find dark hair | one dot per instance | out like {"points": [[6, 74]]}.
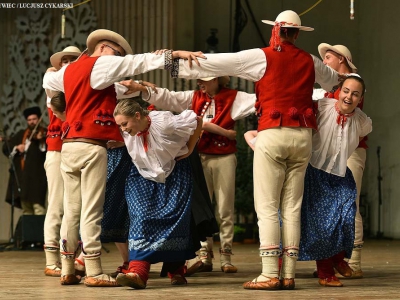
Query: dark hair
{"points": [[357, 78], [129, 107], [58, 102], [288, 32]]}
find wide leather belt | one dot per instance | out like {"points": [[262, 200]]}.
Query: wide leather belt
{"points": [[89, 141]]}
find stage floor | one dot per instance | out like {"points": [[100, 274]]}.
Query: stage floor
{"points": [[22, 277]]}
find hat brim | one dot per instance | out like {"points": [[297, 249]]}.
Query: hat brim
{"points": [[104, 34], [324, 47], [207, 78], [304, 28], [55, 59]]}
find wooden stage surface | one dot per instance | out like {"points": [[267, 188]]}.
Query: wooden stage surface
{"points": [[22, 277]]}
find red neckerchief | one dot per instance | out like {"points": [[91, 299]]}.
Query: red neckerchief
{"points": [[145, 133], [342, 118]]}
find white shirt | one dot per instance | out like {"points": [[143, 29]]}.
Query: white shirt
{"points": [[333, 144], [318, 94], [243, 105], [107, 70], [167, 138], [248, 64]]}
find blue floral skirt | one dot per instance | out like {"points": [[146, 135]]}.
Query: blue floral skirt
{"points": [[327, 214], [160, 216], [115, 222]]}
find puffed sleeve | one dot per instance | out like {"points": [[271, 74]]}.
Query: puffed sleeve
{"points": [[365, 123], [185, 123], [366, 127]]}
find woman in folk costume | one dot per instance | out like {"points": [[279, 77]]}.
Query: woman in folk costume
{"points": [[219, 107], [329, 208], [158, 190]]}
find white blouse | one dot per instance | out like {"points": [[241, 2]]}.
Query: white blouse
{"points": [[333, 143], [166, 140], [242, 106]]}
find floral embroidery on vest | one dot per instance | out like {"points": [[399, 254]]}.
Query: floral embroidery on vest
{"points": [[103, 117], [54, 131]]}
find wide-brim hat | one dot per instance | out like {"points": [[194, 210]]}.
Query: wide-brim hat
{"points": [[104, 34], [288, 19], [35, 110], [222, 80], [55, 59], [339, 49], [207, 78]]}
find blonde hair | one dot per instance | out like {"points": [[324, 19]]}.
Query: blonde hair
{"points": [[128, 108]]}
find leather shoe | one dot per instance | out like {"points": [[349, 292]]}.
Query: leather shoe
{"points": [[228, 268], [101, 280], [54, 271], [178, 279], [330, 282], [199, 267], [132, 280], [271, 284], [287, 284], [343, 269], [355, 274], [70, 279]]}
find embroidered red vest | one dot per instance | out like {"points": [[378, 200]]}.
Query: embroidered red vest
{"points": [[53, 138], [89, 112], [211, 143], [284, 93], [335, 94]]}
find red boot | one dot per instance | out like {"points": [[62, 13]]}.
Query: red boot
{"points": [[326, 273], [341, 265], [136, 276], [178, 277]]}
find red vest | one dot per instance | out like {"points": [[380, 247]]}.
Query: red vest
{"points": [[211, 143], [53, 139], [89, 112], [284, 93], [335, 94]]}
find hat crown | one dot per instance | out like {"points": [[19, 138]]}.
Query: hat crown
{"points": [[344, 51], [288, 16], [72, 49], [105, 34]]}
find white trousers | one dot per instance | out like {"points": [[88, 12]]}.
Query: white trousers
{"points": [[55, 207], [356, 164], [281, 157], [84, 170], [220, 174]]}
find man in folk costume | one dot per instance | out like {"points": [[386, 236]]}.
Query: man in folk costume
{"points": [[91, 97], [339, 58], [28, 150], [55, 207], [88, 126], [284, 76]]}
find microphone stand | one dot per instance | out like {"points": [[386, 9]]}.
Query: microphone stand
{"points": [[13, 181], [379, 234]]}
